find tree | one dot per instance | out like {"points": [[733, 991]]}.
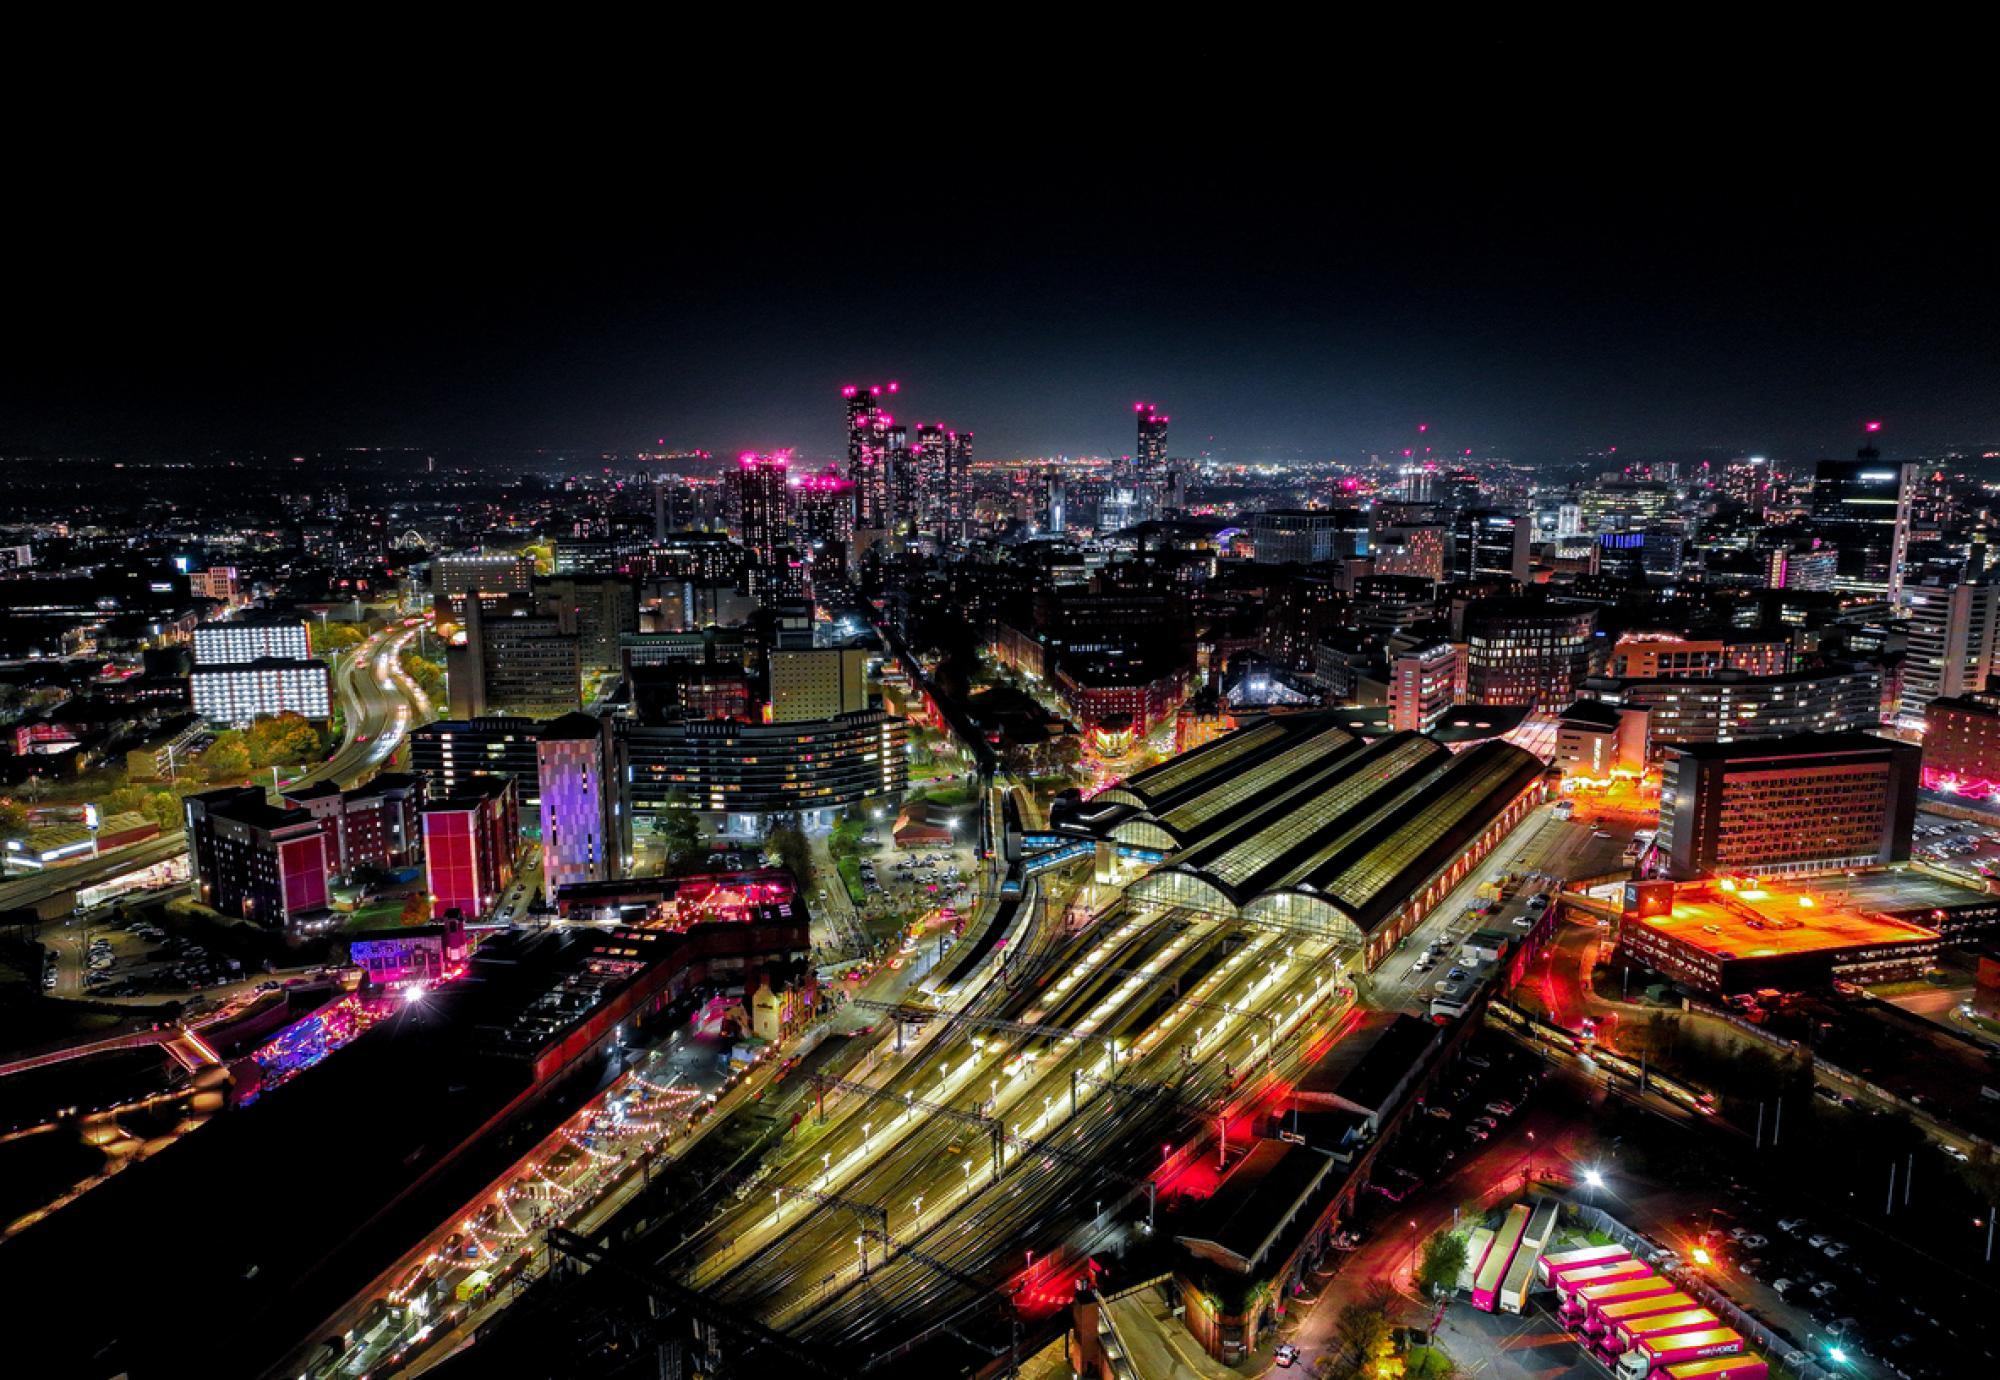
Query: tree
{"points": [[679, 830], [13, 817], [227, 759], [1444, 1258], [165, 808], [330, 639], [1365, 1324], [787, 846]]}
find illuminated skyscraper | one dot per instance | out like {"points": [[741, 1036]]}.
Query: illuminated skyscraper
{"points": [[928, 479], [1151, 454], [957, 483], [822, 522], [762, 501], [868, 458]]}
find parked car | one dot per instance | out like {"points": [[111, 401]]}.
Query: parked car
{"points": [[1286, 1355]]}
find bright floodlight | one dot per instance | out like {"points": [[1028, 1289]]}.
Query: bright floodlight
{"points": [[1593, 1178]]}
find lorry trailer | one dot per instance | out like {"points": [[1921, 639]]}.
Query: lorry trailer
{"points": [[1573, 1280], [1520, 1276], [1664, 1324], [1718, 1368], [1588, 1305], [1634, 1311], [1556, 1264], [1499, 1257], [1654, 1356], [1477, 1249]]}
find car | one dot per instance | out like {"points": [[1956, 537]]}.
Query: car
{"points": [[1824, 1289], [1286, 1355], [1818, 1239], [1753, 1241], [1782, 1287], [1442, 1113], [1791, 1226], [1500, 1108], [1489, 1122], [1600, 833], [1953, 1151], [1477, 1132], [1834, 1250]]}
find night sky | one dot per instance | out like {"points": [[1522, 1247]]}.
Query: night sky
{"points": [[1538, 326]]}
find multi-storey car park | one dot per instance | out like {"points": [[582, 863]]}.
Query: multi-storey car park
{"points": [[1048, 1094]]}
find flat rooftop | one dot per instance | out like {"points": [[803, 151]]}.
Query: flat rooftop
{"points": [[1770, 921], [1895, 890]]}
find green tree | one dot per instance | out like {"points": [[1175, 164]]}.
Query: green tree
{"points": [[13, 816], [1444, 1258], [227, 759], [330, 639], [165, 808], [787, 847], [680, 832]]}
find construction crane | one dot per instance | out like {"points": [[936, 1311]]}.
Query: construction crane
{"points": [[986, 1125]]}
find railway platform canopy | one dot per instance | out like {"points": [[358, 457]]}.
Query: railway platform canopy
{"points": [[1302, 824]]}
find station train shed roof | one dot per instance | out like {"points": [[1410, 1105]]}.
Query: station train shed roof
{"points": [[1299, 818]]}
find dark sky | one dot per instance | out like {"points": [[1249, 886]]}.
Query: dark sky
{"points": [[199, 315]]}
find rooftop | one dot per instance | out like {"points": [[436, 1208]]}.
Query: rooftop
{"points": [[1771, 921], [1256, 1202]]}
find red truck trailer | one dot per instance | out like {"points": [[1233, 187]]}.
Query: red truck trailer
{"points": [[1658, 1356]]}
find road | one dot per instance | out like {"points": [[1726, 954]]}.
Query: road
{"points": [[381, 705]]}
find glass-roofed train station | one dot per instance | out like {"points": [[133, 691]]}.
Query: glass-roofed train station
{"points": [[1296, 822]]}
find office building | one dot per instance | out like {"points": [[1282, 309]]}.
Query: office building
{"points": [[738, 775], [1524, 653], [238, 642], [1424, 682], [1651, 655], [470, 840], [455, 575], [599, 610], [1418, 551], [1954, 635], [585, 828], [254, 861], [449, 753], [218, 582], [1809, 803], [1488, 543], [1862, 508], [817, 683], [513, 661], [1962, 745], [1303, 536], [1598, 741], [1732, 706], [238, 693]]}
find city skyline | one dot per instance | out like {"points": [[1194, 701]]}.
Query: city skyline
{"points": [[1529, 331]]}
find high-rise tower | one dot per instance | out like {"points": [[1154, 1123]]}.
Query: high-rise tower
{"points": [[1151, 455]]}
